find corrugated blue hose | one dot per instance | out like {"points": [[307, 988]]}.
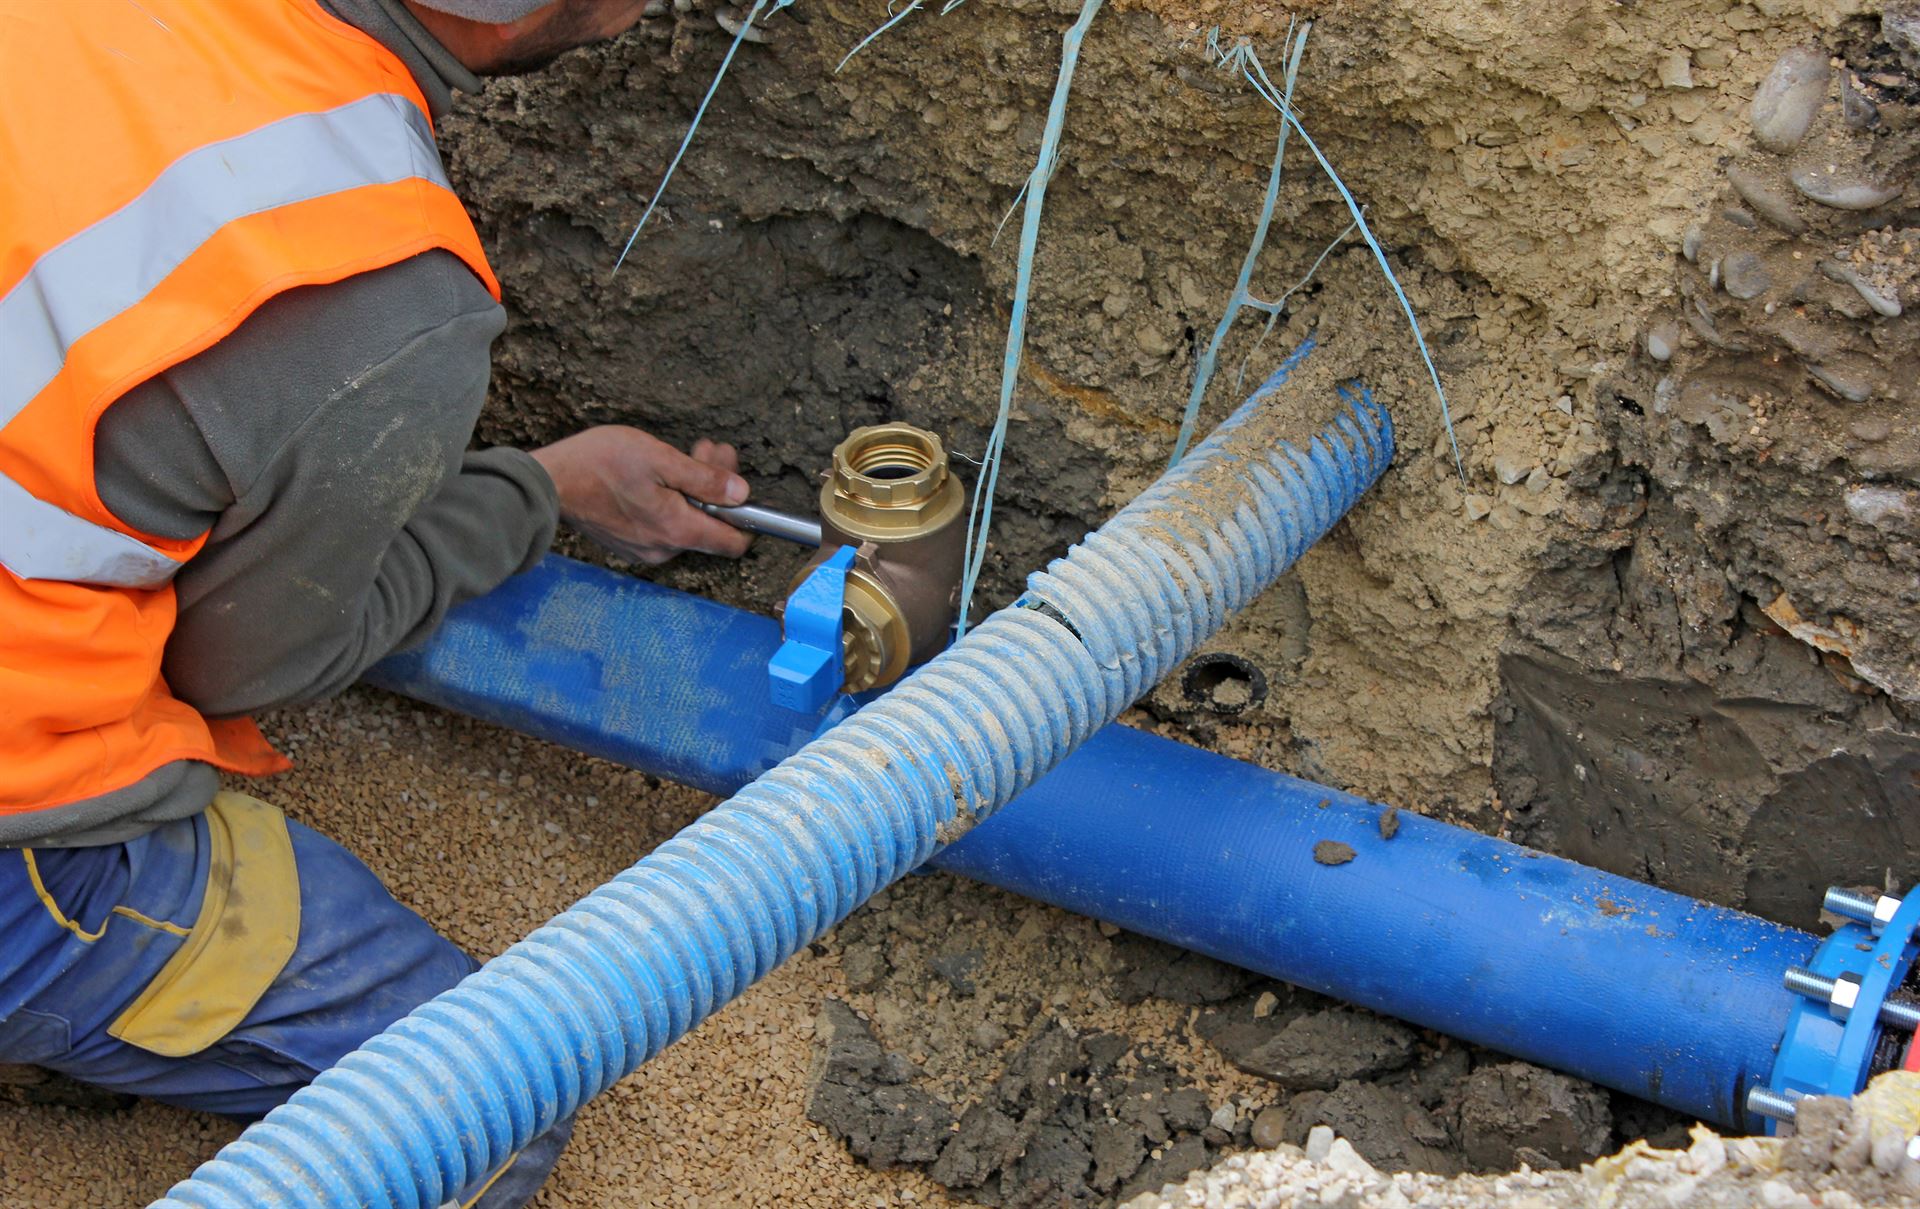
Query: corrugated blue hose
{"points": [[452, 1090]]}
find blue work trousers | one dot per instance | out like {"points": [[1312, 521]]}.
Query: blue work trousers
{"points": [[85, 931]]}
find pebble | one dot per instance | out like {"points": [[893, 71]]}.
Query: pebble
{"points": [[1152, 341], [1707, 1155], [1510, 468], [1270, 1127], [1650, 1170], [1834, 270], [1662, 339], [1478, 506], [1870, 429], [1690, 242], [988, 1036], [656, 9], [1263, 1006], [1223, 1118], [1842, 191], [1857, 108], [1539, 479], [1900, 29], [1319, 1143], [1889, 1152], [1850, 389], [1778, 1194], [1872, 504], [1745, 276], [734, 22], [1787, 100], [1768, 202], [1676, 70], [1343, 1158]]}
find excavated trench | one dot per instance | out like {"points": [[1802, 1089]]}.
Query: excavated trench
{"points": [[1665, 626]]}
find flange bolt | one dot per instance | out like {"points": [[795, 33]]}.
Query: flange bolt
{"points": [[1766, 1102], [1873, 910], [1842, 993]]}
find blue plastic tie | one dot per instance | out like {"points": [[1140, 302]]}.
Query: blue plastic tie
{"points": [[980, 514], [659, 191], [1203, 372]]}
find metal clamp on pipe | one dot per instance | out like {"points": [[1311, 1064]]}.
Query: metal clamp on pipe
{"points": [[892, 498]]}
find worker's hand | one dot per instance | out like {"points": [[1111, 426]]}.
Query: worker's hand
{"points": [[628, 491]]}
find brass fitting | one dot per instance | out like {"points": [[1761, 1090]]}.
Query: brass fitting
{"points": [[892, 496]]}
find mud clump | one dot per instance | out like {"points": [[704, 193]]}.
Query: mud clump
{"points": [[1514, 1113], [1318, 1049], [861, 1092], [1333, 852], [1061, 1124]]}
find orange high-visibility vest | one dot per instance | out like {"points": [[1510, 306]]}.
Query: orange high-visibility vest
{"points": [[166, 166]]}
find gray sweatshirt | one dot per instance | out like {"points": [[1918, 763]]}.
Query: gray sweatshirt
{"points": [[324, 444]]}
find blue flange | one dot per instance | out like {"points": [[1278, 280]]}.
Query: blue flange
{"points": [[1823, 1053]]}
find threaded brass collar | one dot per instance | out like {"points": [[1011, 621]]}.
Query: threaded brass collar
{"points": [[890, 483]]}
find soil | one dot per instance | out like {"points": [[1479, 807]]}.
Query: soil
{"points": [[1660, 619], [1598, 602]]}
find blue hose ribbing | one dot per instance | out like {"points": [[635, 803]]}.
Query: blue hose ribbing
{"points": [[455, 1088]]}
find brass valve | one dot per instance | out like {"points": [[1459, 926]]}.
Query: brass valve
{"points": [[891, 495]]}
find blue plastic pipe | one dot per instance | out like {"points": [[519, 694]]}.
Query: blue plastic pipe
{"points": [[1652, 993], [455, 1088], [1642, 990], [615, 667]]}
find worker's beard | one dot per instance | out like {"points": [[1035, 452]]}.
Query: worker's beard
{"points": [[575, 23]]}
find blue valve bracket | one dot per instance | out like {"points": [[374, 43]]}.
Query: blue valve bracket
{"points": [[808, 670]]}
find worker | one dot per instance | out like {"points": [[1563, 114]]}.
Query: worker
{"points": [[244, 340]]}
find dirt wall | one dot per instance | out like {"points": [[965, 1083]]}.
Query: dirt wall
{"points": [[1582, 644]]}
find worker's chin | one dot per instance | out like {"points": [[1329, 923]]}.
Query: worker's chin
{"points": [[573, 25], [525, 63]]}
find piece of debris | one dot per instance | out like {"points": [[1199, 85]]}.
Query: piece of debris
{"points": [[1333, 852]]}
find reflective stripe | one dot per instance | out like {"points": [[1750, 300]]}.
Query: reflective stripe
{"points": [[113, 264], [40, 541]]}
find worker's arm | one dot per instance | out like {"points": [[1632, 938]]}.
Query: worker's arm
{"points": [[324, 443]]}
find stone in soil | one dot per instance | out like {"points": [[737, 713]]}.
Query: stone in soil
{"points": [[1060, 1125], [956, 969], [1787, 100]]}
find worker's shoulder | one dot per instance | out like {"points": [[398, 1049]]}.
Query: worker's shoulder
{"points": [[429, 309], [399, 300]]}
